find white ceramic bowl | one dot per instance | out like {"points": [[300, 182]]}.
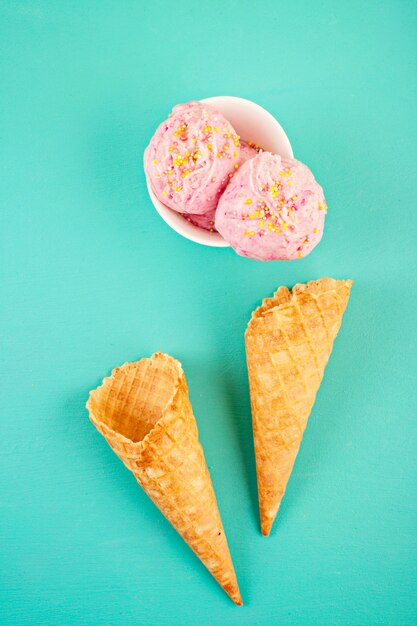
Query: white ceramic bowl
{"points": [[252, 123]]}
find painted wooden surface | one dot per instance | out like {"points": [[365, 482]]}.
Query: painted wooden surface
{"points": [[91, 277]]}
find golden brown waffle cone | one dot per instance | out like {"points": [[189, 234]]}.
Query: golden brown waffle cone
{"points": [[144, 412], [288, 342]]}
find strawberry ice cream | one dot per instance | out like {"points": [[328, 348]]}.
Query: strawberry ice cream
{"points": [[206, 221], [191, 158], [247, 151], [272, 209]]}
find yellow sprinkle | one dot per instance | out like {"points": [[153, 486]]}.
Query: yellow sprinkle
{"points": [[251, 233], [261, 223], [236, 166], [294, 198], [155, 162], [252, 216], [164, 193], [225, 147], [187, 154], [315, 231], [177, 189], [209, 146], [281, 201], [289, 183], [248, 201], [170, 149], [285, 227], [235, 154], [216, 130], [270, 226], [277, 230]]}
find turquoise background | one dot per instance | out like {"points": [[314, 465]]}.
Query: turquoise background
{"points": [[92, 277]]}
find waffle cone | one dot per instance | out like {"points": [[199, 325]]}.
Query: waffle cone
{"points": [[288, 343], [144, 412]]}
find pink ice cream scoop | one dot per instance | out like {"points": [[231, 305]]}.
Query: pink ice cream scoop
{"points": [[247, 151], [272, 209], [206, 221], [191, 158]]}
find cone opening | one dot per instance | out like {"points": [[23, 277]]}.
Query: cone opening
{"points": [[283, 296], [136, 395]]}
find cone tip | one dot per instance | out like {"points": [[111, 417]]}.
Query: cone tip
{"points": [[266, 525], [237, 598]]}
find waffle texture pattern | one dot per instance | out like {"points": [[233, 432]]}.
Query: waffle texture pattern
{"points": [[144, 412], [288, 343]]}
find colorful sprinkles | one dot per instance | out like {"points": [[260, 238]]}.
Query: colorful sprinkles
{"points": [[277, 213], [183, 160]]}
